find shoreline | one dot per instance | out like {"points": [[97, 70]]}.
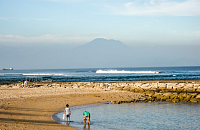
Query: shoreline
{"points": [[31, 108], [34, 112]]}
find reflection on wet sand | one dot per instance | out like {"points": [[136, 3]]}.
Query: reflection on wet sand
{"points": [[84, 127]]}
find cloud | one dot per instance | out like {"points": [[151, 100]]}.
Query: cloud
{"points": [[156, 8], [41, 19], [3, 18], [197, 33], [63, 1], [17, 39], [25, 19]]}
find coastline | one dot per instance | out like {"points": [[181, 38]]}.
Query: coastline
{"points": [[31, 108]]}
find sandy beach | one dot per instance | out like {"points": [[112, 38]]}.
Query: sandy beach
{"points": [[31, 108]]}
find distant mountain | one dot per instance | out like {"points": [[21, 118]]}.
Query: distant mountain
{"points": [[100, 52], [101, 43]]}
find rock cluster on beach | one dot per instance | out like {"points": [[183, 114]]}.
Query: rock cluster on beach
{"points": [[151, 91], [158, 92]]}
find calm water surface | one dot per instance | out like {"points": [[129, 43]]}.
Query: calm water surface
{"points": [[137, 116]]}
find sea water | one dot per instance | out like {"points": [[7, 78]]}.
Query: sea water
{"points": [[112, 74], [135, 116]]}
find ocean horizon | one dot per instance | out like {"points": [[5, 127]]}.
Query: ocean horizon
{"points": [[102, 74]]}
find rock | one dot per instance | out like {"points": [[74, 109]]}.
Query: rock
{"points": [[132, 90], [113, 102], [174, 96], [194, 95], [198, 96], [150, 93], [194, 100], [126, 88], [132, 100], [165, 90], [162, 85], [171, 85], [189, 85], [145, 86], [179, 90], [168, 94], [196, 86], [175, 100], [139, 90], [198, 89], [138, 84], [190, 90], [157, 94], [168, 100], [119, 88], [4, 86], [161, 98]]}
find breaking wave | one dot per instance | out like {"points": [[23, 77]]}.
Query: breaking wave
{"points": [[122, 71]]}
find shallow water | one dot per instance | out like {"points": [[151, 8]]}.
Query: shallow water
{"points": [[137, 116]]}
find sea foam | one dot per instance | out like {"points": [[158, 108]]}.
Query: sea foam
{"points": [[122, 71]]}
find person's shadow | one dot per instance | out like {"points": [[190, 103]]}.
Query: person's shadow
{"points": [[84, 127]]}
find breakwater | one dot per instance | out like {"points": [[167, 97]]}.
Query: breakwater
{"points": [[151, 91]]}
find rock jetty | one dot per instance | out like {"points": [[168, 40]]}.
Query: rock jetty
{"points": [[150, 91]]}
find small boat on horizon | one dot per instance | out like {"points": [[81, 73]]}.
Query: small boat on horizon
{"points": [[7, 69]]}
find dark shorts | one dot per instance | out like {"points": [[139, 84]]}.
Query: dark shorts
{"points": [[87, 116], [68, 115]]}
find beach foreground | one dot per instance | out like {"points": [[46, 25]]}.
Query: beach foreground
{"points": [[31, 108]]}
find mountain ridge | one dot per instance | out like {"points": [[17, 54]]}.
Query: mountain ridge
{"points": [[103, 43]]}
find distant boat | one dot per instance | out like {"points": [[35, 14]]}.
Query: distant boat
{"points": [[7, 69]]}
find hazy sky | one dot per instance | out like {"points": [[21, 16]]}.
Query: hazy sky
{"points": [[76, 22]]}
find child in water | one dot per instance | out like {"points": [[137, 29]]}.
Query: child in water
{"points": [[86, 114], [67, 112]]}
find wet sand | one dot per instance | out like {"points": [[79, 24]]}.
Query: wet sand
{"points": [[31, 108]]}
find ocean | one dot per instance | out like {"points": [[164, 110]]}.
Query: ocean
{"points": [[135, 116], [102, 74]]}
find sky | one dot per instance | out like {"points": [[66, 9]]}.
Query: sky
{"points": [[71, 23]]}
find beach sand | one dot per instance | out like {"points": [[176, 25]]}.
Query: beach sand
{"points": [[31, 108]]}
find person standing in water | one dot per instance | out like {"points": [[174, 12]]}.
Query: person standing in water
{"points": [[85, 115], [67, 112]]}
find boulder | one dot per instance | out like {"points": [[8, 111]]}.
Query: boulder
{"points": [[139, 90], [198, 96], [138, 84], [4, 86], [196, 86], [119, 88], [171, 85], [194, 100], [175, 100], [149, 93], [189, 85], [145, 86], [126, 88], [162, 85], [190, 90]]}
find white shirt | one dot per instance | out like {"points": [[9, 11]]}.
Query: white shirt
{"points": [[67, 111]]}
